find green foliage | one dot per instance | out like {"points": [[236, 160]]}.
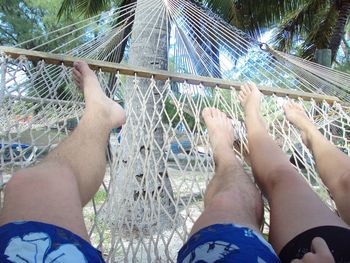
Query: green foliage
{"points": [[100, 197], [88, 8], [18, 107], [311, 25], [18, 22], [32, 20], [314, 25], [304, 25], [252, 16], [173, 118], [343, 67], [319, 36], [84, 7]]}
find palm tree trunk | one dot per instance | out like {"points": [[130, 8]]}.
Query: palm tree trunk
{"points": [[344, 12], [148, 198]]}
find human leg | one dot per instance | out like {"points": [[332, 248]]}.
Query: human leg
{"points": [[229, 228], [332, 165], [295, 208], [56, 190], [230, 181]]}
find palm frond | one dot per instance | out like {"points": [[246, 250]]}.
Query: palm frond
{"points": [[252, 16], [347, 28], [297, 23], [82, 7], [320, 35]]}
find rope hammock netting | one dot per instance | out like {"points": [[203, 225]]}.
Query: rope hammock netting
{"points": [[164, 60]]}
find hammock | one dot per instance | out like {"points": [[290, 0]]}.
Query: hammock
{"points": [[165, 61]]}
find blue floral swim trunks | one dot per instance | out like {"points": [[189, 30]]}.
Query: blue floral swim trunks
{"points": [[227, 243], [44, 243]]}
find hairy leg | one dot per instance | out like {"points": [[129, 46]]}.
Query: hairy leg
{"points": [[295, 208], [332, 165], [56, 190], [231, 196]]}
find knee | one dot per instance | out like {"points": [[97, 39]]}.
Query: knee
{"points": [[40, 175], [280, 176], [19, 180], [240, 202], [223, 201], [218, 193], [341, 184], [218, 200]]}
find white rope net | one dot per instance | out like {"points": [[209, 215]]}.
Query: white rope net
{"points": [[160, 162]]}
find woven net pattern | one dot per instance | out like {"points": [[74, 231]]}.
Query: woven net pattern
{"points": [[159, 163]]}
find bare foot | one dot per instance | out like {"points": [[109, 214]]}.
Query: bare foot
{"points": [[250, 97], [95, 99], [297, 116], [220, 133]]}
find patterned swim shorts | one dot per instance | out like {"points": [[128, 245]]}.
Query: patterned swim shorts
{"points": [[227, 243], [44, 243]]}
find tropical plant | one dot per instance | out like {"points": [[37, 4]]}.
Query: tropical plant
{"points": [[18, 21], [251, 16], [312, 24], [317, 24], [27, 23], [32, 20]]}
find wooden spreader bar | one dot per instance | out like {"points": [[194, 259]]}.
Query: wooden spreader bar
{"points": [[58, 59]]}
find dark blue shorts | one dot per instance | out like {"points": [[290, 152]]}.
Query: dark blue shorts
{"points": [[227, 243], [40, 242]]}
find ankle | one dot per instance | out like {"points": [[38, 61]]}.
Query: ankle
{"points": [[313, 136], [98, 118], [225, 158], [251, 111], [255, 123]]}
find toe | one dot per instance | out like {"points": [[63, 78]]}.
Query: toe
{"points": [[77, 65], [82, 67], [287, 105], [248, 88], [290, 104], [252, 86], [299, 106], [222, 115], [216, 113], [293, 104], [77, 77], [78, 83], [244, 90], [241, 88], [206, 114], [76, 80], [76, 73]]}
